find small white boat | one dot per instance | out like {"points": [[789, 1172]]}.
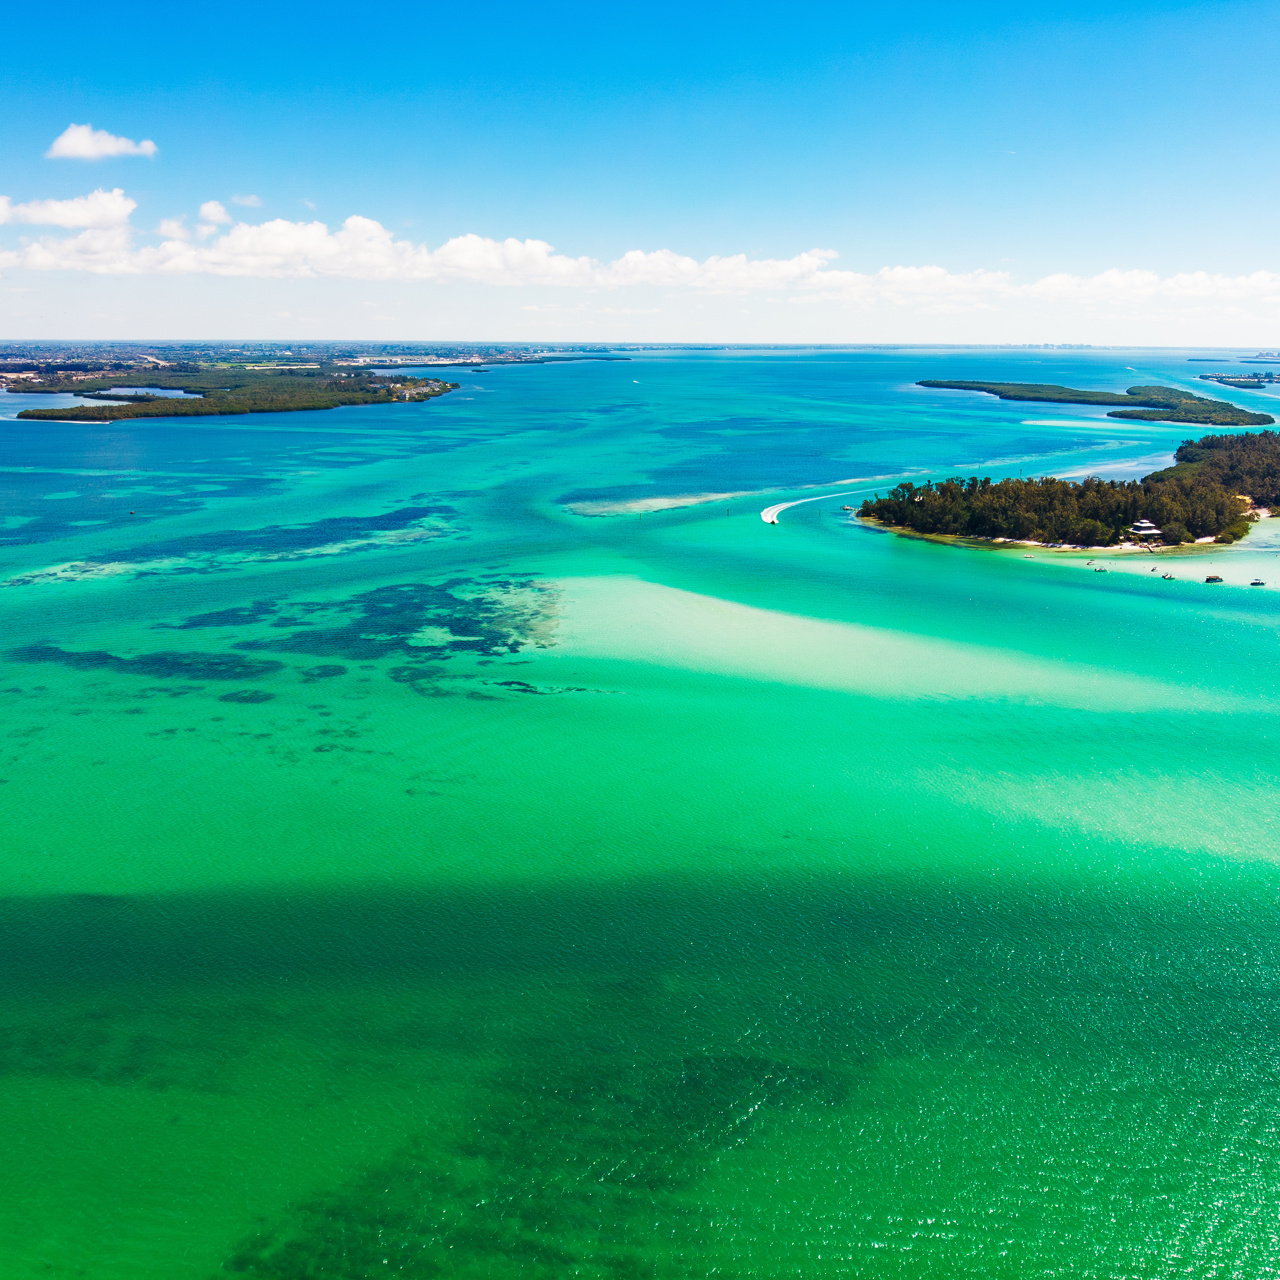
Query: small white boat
{"points": [[1257, 582]]}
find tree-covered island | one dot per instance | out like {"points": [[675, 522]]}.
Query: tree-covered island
{"points": [[222, 389], [1157, 404], [1200, 496]]}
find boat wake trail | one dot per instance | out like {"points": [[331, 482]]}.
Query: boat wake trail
{"points": [[770, 514]]}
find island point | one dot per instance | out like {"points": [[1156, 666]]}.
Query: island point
{"points": [[1216, 488]]}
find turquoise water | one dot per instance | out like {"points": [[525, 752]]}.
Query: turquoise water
{"points": [[439, 846]]}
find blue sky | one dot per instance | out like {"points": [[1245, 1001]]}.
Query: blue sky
{"points": [[999, 146]]}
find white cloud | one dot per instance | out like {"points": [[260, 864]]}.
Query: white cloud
{"points": [[735, 274], [212, 211], [1115, 285], [97, 250], [362, 249], [98, 209], [84, 142], [249, 202]]}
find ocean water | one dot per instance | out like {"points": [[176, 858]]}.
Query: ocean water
{"points": [[431, 849]]}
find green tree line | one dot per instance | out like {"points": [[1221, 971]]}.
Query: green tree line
{"points": [[1241, 464], [230, 390], [1157, 404], [1198, 497]]}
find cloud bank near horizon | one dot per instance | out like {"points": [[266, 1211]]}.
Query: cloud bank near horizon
{"points": [[99, 209], [363, 249]]}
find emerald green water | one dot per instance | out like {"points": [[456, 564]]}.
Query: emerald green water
{"points": [[408, 874]]}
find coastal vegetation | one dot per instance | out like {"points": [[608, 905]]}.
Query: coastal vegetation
{"points": [[223, 390], [1245, 463], [1200, 496], [1157, 404]]}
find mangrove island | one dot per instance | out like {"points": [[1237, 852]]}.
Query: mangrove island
{"points": [[1203, 495], [223, 389], [1156, 404]]}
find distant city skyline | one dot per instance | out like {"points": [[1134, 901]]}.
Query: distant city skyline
{"points": [[1086, 174]]}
